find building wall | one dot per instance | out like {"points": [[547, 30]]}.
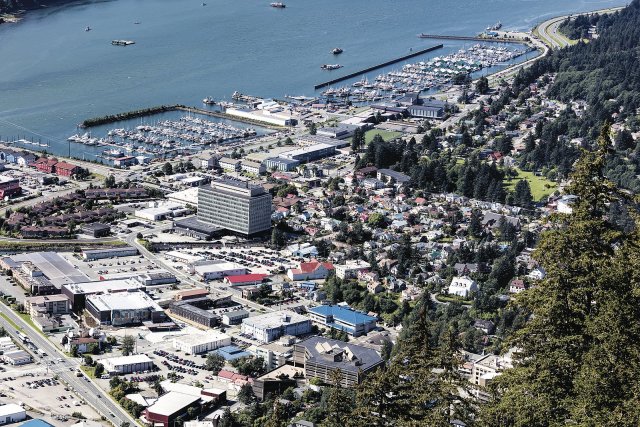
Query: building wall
{"points": [[244, 215]]}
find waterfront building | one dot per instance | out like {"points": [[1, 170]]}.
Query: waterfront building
{"points": [[235, 206]]}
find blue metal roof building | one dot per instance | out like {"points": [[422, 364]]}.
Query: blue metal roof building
{"points": [[341, 318], [231, 352]]}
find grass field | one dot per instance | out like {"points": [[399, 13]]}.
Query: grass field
{"points": [[387, 135], [11, 322], [540, 186]]}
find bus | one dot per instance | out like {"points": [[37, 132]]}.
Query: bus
{"points": [[23, 337]]}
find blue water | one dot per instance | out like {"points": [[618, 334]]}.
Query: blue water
{"points": [[53, 74]]}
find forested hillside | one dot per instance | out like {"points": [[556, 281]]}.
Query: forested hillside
{"points": [[9, 6]]}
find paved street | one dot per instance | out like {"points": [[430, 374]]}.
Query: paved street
{"points": [[66, 370]]}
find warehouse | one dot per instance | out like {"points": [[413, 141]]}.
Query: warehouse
{"points": [[127, 364], [169, 407], [124, 308], [12, 413], [201, 343], [94, 254], [78, 292], [271, 326], [310, 153], [194, 310], [281, 164], [234, 317], [212, 270], [155, 279], [17, 357]]}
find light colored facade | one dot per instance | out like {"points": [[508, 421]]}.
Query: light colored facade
{"points": [[351, 268], [462, 286], [274, 354], [12, 413], [47, 304], [253, 167], [127, 364], [235, 206], [201, 343], [271, 326]]}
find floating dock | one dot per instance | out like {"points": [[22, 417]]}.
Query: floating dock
{"points": [[471, 38], [375, 67]]}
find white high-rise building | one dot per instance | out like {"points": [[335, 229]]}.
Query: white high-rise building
{"points": [[235, 206]]}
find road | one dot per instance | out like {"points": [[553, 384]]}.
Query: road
{"points": [[83, 387], [549, 34]]}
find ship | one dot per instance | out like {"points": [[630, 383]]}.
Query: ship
{"points": [[278, 5], [330, 66], [88, 28], [495, 27], [337, 51], [122, 42], [209, 101]]}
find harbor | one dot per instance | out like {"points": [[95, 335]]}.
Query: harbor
{"points": [[378, 66], [427, 75], [481, 38]]}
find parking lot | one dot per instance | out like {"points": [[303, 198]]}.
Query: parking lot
{"points": [[112, 268], [43, 395]]}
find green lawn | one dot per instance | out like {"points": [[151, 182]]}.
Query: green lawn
{"points": [[11, 322], [387, 135], [540, 186]]}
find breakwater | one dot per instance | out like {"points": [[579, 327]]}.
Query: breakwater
{"points": [[472, 38], [375, 67], [111, 118]]}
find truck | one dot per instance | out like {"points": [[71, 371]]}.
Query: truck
{"points": [[23, 337], [41, 352]]}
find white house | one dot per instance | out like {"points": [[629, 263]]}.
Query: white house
{"points": [[462, 286], [537, 273]]}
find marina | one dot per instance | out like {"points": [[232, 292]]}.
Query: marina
{"points": [[375, 67], [162, 138], [485, 38], [425, 75]]}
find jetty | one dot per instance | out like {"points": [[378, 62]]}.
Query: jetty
{"points": [[375, 67], [472, 38]]}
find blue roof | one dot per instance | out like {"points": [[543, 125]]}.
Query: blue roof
{"points": [[36, 423], [343, 314], [231, 352]]}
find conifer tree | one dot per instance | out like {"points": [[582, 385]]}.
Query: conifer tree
{"points": [[578, 357]]}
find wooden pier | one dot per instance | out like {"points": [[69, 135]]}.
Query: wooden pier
{"points": [[375, 67], [472, 38]]}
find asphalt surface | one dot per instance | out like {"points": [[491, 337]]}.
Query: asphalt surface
{"points": [[66, 371]]}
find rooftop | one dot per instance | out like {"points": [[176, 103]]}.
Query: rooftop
{"points": [[126, 360], [341, 355], [172, 402], [343, 314], [275, 319], [99, 286], [203, 338], [123, 301]]}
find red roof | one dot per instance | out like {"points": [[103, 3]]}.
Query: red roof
{"points": [[65, 165], [308, 267], [244, 278]]}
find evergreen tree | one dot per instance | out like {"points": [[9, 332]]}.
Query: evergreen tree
{"points": [[339, 402], [578, 357], [522, 194]]}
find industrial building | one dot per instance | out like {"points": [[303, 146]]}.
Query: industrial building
{"points": [[124, 308], [341, 318], [282, 164], [78, 292], [217, 269], [234, 317], [263, 116], [12, 413], [156, 279], [320, 356], [195, 310], [193, 227], [127, 364], [311, 153], [96, 229], [235, 206], [271, 326], [201, 343], [95, 254], [166, 410], [17, 357]]}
